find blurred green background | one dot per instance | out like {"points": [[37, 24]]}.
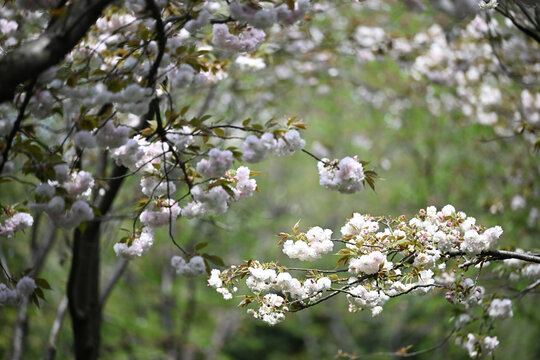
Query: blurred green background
{"points": [[422, 159]]}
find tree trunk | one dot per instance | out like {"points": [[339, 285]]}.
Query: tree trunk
{"points": [[83, 285]]}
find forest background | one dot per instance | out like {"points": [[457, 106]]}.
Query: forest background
{"points": [[414, 133]]}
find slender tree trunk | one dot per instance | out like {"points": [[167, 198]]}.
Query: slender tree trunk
{"points": [[83, 292], [50, 351], [167, 310], [83, 285], [39, 254], [20, 331]]}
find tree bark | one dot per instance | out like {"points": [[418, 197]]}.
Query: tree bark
{"points": [[34, 57], [83, 285]]}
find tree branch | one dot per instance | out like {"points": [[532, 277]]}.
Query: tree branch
{"points": [[29, 60], [119, 269], [17, 124], [501, 255]]}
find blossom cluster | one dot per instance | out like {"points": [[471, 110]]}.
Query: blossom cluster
{"points": [[65, 211], [216, 199], [263, 18], [386, 258], [248, 41], [19, 221], [520, 267], [478, 346], [345, 176], [137, 245], [24, 288], [195, 265], [217, 164], [265, 282], [317, 242], [256, 148]]}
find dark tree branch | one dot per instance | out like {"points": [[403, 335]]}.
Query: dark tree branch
{"points": [[119, 269], [17, 124], [31, 59], [501, 255], [50, 352]]}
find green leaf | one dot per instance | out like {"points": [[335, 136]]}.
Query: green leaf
{"points": [[214, 258], [219, 132], [184, 110], [42, 283], [39, 293], [201, 245]]}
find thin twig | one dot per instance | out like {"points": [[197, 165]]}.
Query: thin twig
{"points": [[17, 124]]}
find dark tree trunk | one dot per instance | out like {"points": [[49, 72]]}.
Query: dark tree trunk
{"points": [[83, 285]]}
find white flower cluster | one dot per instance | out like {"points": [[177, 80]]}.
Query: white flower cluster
{"points": [[195, 266], [18, 221], [25, 287], [137, 153], [111, 136], [249, 63], [256, 149], [359, 225], [478, 347], [216, 200], [113, 22], [5, 126], [465, 292], [80, 211], [267, 282], [361, 298], [474, 243], [346, 176], [367, 264], [182, 139], [163, 213], [451, 230], [531, 106], [217, 164], [84, 139], [184, 76], [215, 281], [79, 188], [318, 242], [501, 308], [264, 18], [152, 186], [248, 41], [138, 246], [369, 37], [261, 280], [201, 21], [133, 99], [80, 184], [244, 185], [290, 143], [529, 270], [8, 26], [421, 246], [271, 310], [487, 4]]}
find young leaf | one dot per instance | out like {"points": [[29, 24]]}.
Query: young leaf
{"points": [[201, 245]]}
